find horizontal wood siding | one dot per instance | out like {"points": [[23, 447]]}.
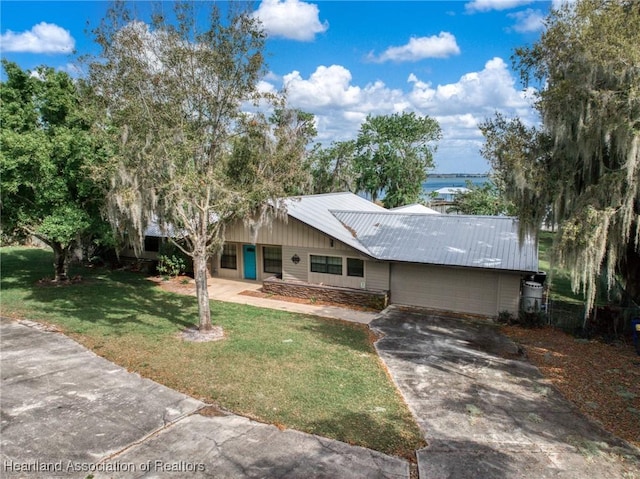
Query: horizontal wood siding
{"points": [[377, 275], [130, 253], [334, 279], [290, 270], [509, 292], [464, 290], [302, 270]]}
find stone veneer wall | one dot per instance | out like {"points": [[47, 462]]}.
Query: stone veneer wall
{"points": [[334, 294]]}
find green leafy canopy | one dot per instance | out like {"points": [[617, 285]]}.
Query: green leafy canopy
{"points": [[48, 154], [581, 170]]}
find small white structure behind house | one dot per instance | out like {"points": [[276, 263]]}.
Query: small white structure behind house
{"points": [[415, 208], [450, 193]]}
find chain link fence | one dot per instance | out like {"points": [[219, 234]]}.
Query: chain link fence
{"points": [[610, 318]]}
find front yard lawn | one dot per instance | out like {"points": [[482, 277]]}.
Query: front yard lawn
{"points": [[301, 372]]}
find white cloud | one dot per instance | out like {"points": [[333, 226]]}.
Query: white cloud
{"points": [[528, 20], [437, 46], [291, 19], [42, 38], [479, 92], [488, 5], [326, 87], [340, 106]]}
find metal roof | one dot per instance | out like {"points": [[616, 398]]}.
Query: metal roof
{"points": [[415, 208], [453, 240], [314, 210], [167, 231], [452, 190]]}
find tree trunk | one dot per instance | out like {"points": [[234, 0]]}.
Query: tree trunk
{"points": [[202, 293], [60, 262], [631, 271]]}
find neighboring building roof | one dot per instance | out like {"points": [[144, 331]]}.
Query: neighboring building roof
{"points": [[452, 190], [453, 240], [154, 229], [314, 210], [415, 208]]}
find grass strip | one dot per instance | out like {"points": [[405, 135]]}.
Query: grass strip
{"points": [[296, 371]]}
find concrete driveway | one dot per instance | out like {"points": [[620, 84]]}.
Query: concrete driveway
{"points": [[484, 410], [66, 412]]}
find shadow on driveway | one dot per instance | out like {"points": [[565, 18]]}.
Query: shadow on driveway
{"points": [[484, 410]]}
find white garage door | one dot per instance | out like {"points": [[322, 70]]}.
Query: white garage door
{"points": [[461, 290]]}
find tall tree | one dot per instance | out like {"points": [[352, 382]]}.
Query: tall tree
{"points": [[331, 168], [175, 93], [394, 153], [587, 61], [270, 150], [520, 158], [484, 199], [47, 154]]}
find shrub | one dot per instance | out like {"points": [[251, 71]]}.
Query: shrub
{"points": [[506, 317], [170, 261]]}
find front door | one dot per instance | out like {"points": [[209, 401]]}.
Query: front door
{"points": [[249, 259]]}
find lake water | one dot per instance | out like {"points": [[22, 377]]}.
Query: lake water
{"points": [[433, 184]]}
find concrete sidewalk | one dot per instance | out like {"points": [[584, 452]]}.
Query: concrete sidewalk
{"points": [[229, 290], [69, 413]]}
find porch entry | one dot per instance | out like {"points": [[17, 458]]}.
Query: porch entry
{"points": [[249, 260]]}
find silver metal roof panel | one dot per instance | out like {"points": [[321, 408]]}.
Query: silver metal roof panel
{"points": [[454, 240], [315, 211]]}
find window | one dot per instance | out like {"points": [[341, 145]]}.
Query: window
{"points": [[229, 258], [326, 264], [355, 267], [272, 259], [152, 243]]}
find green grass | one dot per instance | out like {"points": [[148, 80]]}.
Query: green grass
{"points": [[560, 288], [567, 309], [292, 370]]}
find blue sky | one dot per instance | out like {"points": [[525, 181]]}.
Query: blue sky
{"points": [[343, 60]]}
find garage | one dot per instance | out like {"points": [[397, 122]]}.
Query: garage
{"points": [[463, 290]]}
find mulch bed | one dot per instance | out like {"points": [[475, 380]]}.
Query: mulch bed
{"points": [[601, 379]]}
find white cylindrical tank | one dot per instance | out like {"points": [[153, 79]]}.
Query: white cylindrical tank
{"points": [[532, 296]]}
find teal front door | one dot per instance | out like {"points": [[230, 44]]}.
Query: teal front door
{"points": [[249, 259]]}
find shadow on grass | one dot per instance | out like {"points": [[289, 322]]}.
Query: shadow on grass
{"points": [[336, 332], [351, 427], [102, 298]]}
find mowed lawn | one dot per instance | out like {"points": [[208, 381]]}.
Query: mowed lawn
{"points": [[295, 371], [561, 280]]}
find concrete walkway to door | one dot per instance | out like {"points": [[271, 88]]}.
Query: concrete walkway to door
{"points": [[229, 290], [484, 410]]}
